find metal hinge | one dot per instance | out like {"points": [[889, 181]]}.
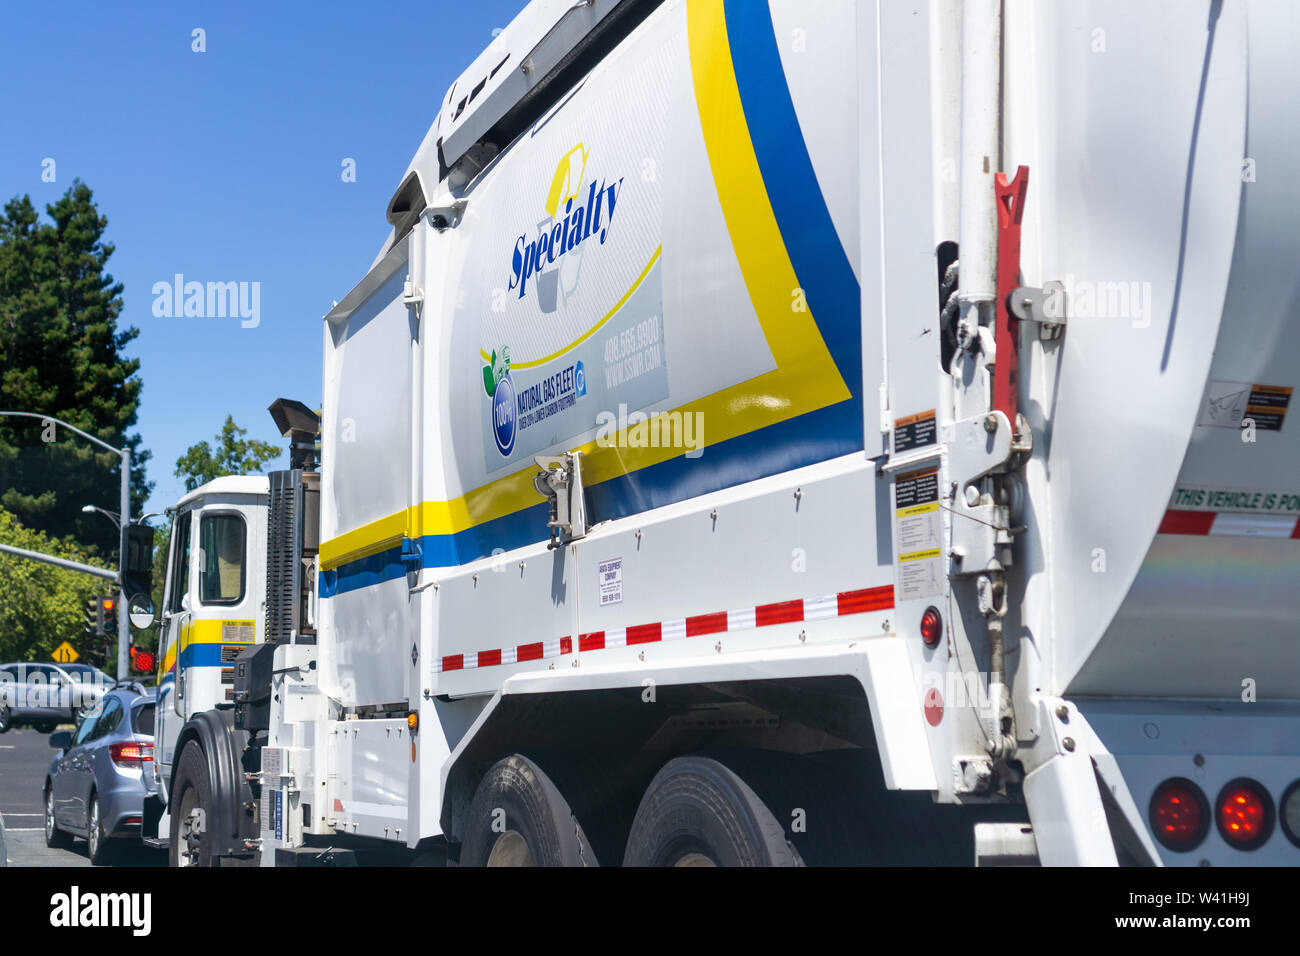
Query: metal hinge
{"points": [[1046, 306], [560, 480]]}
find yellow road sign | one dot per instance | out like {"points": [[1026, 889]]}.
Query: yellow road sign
{"points": [[65, 653]]}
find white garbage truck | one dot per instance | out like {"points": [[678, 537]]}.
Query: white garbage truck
{"points": [[783, 432]]}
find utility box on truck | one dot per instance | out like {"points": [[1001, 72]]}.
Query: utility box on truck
{"points": [[719, 435]]}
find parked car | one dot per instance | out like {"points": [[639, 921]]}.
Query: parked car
{"points": [[97, 782], [46, 695]]}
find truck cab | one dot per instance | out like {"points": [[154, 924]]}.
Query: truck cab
{"points": [[213, 602]]}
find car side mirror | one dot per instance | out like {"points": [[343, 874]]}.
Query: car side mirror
{"points": [[61, 740]]}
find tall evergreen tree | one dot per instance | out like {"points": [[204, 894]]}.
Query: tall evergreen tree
{"points": [[61, 355]]}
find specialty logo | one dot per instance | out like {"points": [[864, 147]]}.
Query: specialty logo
{"points": [[575, 212], [497, 384]]}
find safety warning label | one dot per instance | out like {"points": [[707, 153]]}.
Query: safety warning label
{"points": [[611, 581], [918, 534], [1230, 404], [914, 431]]}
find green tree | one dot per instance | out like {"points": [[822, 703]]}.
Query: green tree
{"points": [[61, 355], [41, 606], [234, 455]]}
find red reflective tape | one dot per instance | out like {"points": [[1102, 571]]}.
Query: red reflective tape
{"points": [[644, 633], [594, 641], [782, 613], [529, 652], [1295, 532], [566, 645], [453, 662], [1186, 522], [489, 658], [706, 624], [866, 599]]}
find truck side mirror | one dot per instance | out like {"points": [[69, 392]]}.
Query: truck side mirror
{"points": [[140, 612], [139, 560]]}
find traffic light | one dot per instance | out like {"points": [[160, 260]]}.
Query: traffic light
{"points": [[93, 625], [107, 616]]}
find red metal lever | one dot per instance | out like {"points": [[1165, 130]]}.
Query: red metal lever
{"points": [[1006, 333]]}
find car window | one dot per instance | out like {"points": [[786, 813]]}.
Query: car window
{"points": [[108, 720], [221, 559], [143, 719], [86, 729], [180, 562]]}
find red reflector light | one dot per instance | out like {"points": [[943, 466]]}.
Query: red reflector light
{"points": [[1244, 812], [131, 752], [1180, 814], [931, 626]]}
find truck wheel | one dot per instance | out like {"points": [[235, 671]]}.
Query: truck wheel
{"points": [[46, 727], [6, 718], [191, 806], [519, 818], [698, 812], [54, 837]]}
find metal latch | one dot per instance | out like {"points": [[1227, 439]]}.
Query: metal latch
{"points": [[1046, 306], [560, 480]]}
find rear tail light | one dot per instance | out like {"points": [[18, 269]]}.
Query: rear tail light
{"points": [[1180, 814], [131, 753], [1290, 813], [1244, 813], [931, 626]]}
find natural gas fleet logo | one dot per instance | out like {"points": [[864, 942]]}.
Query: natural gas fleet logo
{"points": [[533, 403], [552, 257]]}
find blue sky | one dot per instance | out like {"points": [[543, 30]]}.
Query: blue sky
{"points": [[226, 166]]}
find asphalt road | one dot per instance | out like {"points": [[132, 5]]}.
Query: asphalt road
{"points": [[24, 758]]}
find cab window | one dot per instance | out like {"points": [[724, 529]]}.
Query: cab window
{"points": [[180, 583], [221, 559]]}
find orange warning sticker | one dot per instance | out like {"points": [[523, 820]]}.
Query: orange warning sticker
{"points": [[914, 431]]}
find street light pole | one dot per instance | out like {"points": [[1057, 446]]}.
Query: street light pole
{"points": [[123, 620]]}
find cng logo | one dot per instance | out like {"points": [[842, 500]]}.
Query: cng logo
{"points": [[504, 419], [505, 413]]}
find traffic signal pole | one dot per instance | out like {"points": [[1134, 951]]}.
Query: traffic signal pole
{"points": [[59, 562], [123, 623]]}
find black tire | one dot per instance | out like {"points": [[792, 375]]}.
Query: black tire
{"points": [[699, 812], [46, 727], [518, 817], [55, 838], [191, 790], [98, 845], [6, 718]]}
